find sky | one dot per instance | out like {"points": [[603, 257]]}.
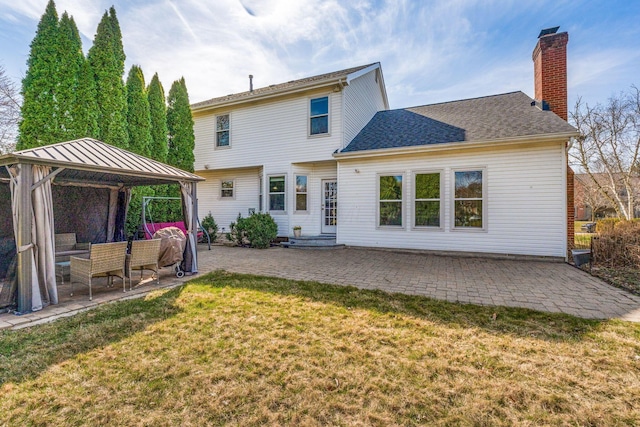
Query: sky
{"points": [[430, 50]]}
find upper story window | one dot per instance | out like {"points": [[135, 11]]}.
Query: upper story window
{"points": [[319, 116], [468, 200], [222, 131], [390, 200]]}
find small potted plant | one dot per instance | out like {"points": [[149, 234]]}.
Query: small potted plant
{"points": [[297, 230]]}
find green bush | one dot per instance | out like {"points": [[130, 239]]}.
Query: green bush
{"points": [[258, 230], [209, 224]]}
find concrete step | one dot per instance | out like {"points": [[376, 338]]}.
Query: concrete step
{"points": [[312, 242]]}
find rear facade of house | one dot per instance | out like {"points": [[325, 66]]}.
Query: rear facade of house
{"points": [[484, 175]]}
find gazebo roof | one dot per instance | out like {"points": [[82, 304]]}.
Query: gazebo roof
{"points": [[91, 161]]}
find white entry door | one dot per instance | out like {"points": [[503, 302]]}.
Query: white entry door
{"points": [[330, 206]]}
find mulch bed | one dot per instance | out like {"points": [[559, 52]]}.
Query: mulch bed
{"points": [[623, 278]]}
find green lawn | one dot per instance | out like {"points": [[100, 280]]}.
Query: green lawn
{"points": [[231, 349]]}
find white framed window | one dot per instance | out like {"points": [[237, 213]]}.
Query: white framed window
{"points": [[390, 200], [277, 187], [469, 199], [227, 189], [319, 116], [427, 199], [301, 193], [223, 136]]}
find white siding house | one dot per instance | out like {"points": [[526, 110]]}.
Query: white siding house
{"points": [[264, 138], [485, 175]]}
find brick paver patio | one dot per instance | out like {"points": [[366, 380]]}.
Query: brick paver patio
{"points": [[544, 286]]}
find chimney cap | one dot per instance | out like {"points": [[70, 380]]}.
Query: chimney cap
{"points": [[548, 31]]}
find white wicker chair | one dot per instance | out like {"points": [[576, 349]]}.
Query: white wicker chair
{"points": [[105, 260], [144, 256]]}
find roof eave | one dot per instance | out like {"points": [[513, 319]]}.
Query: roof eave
{"points": [[462, 145], [252, 98], [10, 159]]}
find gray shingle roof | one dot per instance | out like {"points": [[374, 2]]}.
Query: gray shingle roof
{"points": [[487, 118], [281, 87]]}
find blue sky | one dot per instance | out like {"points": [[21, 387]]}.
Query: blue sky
{"points": [[431, 50]]}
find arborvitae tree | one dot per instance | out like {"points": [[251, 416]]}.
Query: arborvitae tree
{"points": [[67, 79], [106, 58], [138, 116], [86, 108], [159, 142], [158, 111], [39, 121], [180, 127]]}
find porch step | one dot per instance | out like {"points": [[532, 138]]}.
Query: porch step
{"points": [[312, 242]]}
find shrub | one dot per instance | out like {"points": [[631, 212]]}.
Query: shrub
{"points": [[261, 230], [237, 231], [258, 230], [210, 225], [618, 245], [606, 225]]}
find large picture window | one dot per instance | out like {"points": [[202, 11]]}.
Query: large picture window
{"points": [[301, 193], [276, 193], [222, 131], [390, 200], [427, 200], [469, 199], [319, 116]]}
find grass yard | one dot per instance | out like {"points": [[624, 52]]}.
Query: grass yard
{"points": [[246, 350]]}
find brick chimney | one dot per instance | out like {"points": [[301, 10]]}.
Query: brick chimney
{"points": [[550, 81], [550, 70]]}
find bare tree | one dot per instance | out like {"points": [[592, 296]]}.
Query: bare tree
{"points": [[608, 148], [9, 112]]}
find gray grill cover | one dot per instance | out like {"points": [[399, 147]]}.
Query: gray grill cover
{"points": [[171, 246]]}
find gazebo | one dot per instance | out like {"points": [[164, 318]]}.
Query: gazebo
{"points": [[81, 186]]}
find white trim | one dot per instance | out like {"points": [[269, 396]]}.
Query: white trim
{"points": [[402, 226], [233, 189], [268, 194], [412, 213], [319, 135], [362, 72], [417, 149], [215, 137], [295, 193], [485, 210], [565, 212]]}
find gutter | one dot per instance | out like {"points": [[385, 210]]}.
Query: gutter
{"points": [[251, 98], [450, 146]]}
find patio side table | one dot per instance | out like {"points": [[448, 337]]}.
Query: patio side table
{"points": [[60, 269]]}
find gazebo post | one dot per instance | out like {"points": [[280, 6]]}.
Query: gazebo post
{"points": [[25, 257], [194, 221]]}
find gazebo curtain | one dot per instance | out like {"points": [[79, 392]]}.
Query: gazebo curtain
{"points": [[118, 206], [190, 262], [41, 249]]}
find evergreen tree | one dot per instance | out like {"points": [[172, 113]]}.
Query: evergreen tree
{"points": [[86, 107], [159, 142], [180, 127], [138, 116], [158, 111], [106, 58], [67, 79], [39, 122]]}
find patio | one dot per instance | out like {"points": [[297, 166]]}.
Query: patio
{"points": [[544, 286]]}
